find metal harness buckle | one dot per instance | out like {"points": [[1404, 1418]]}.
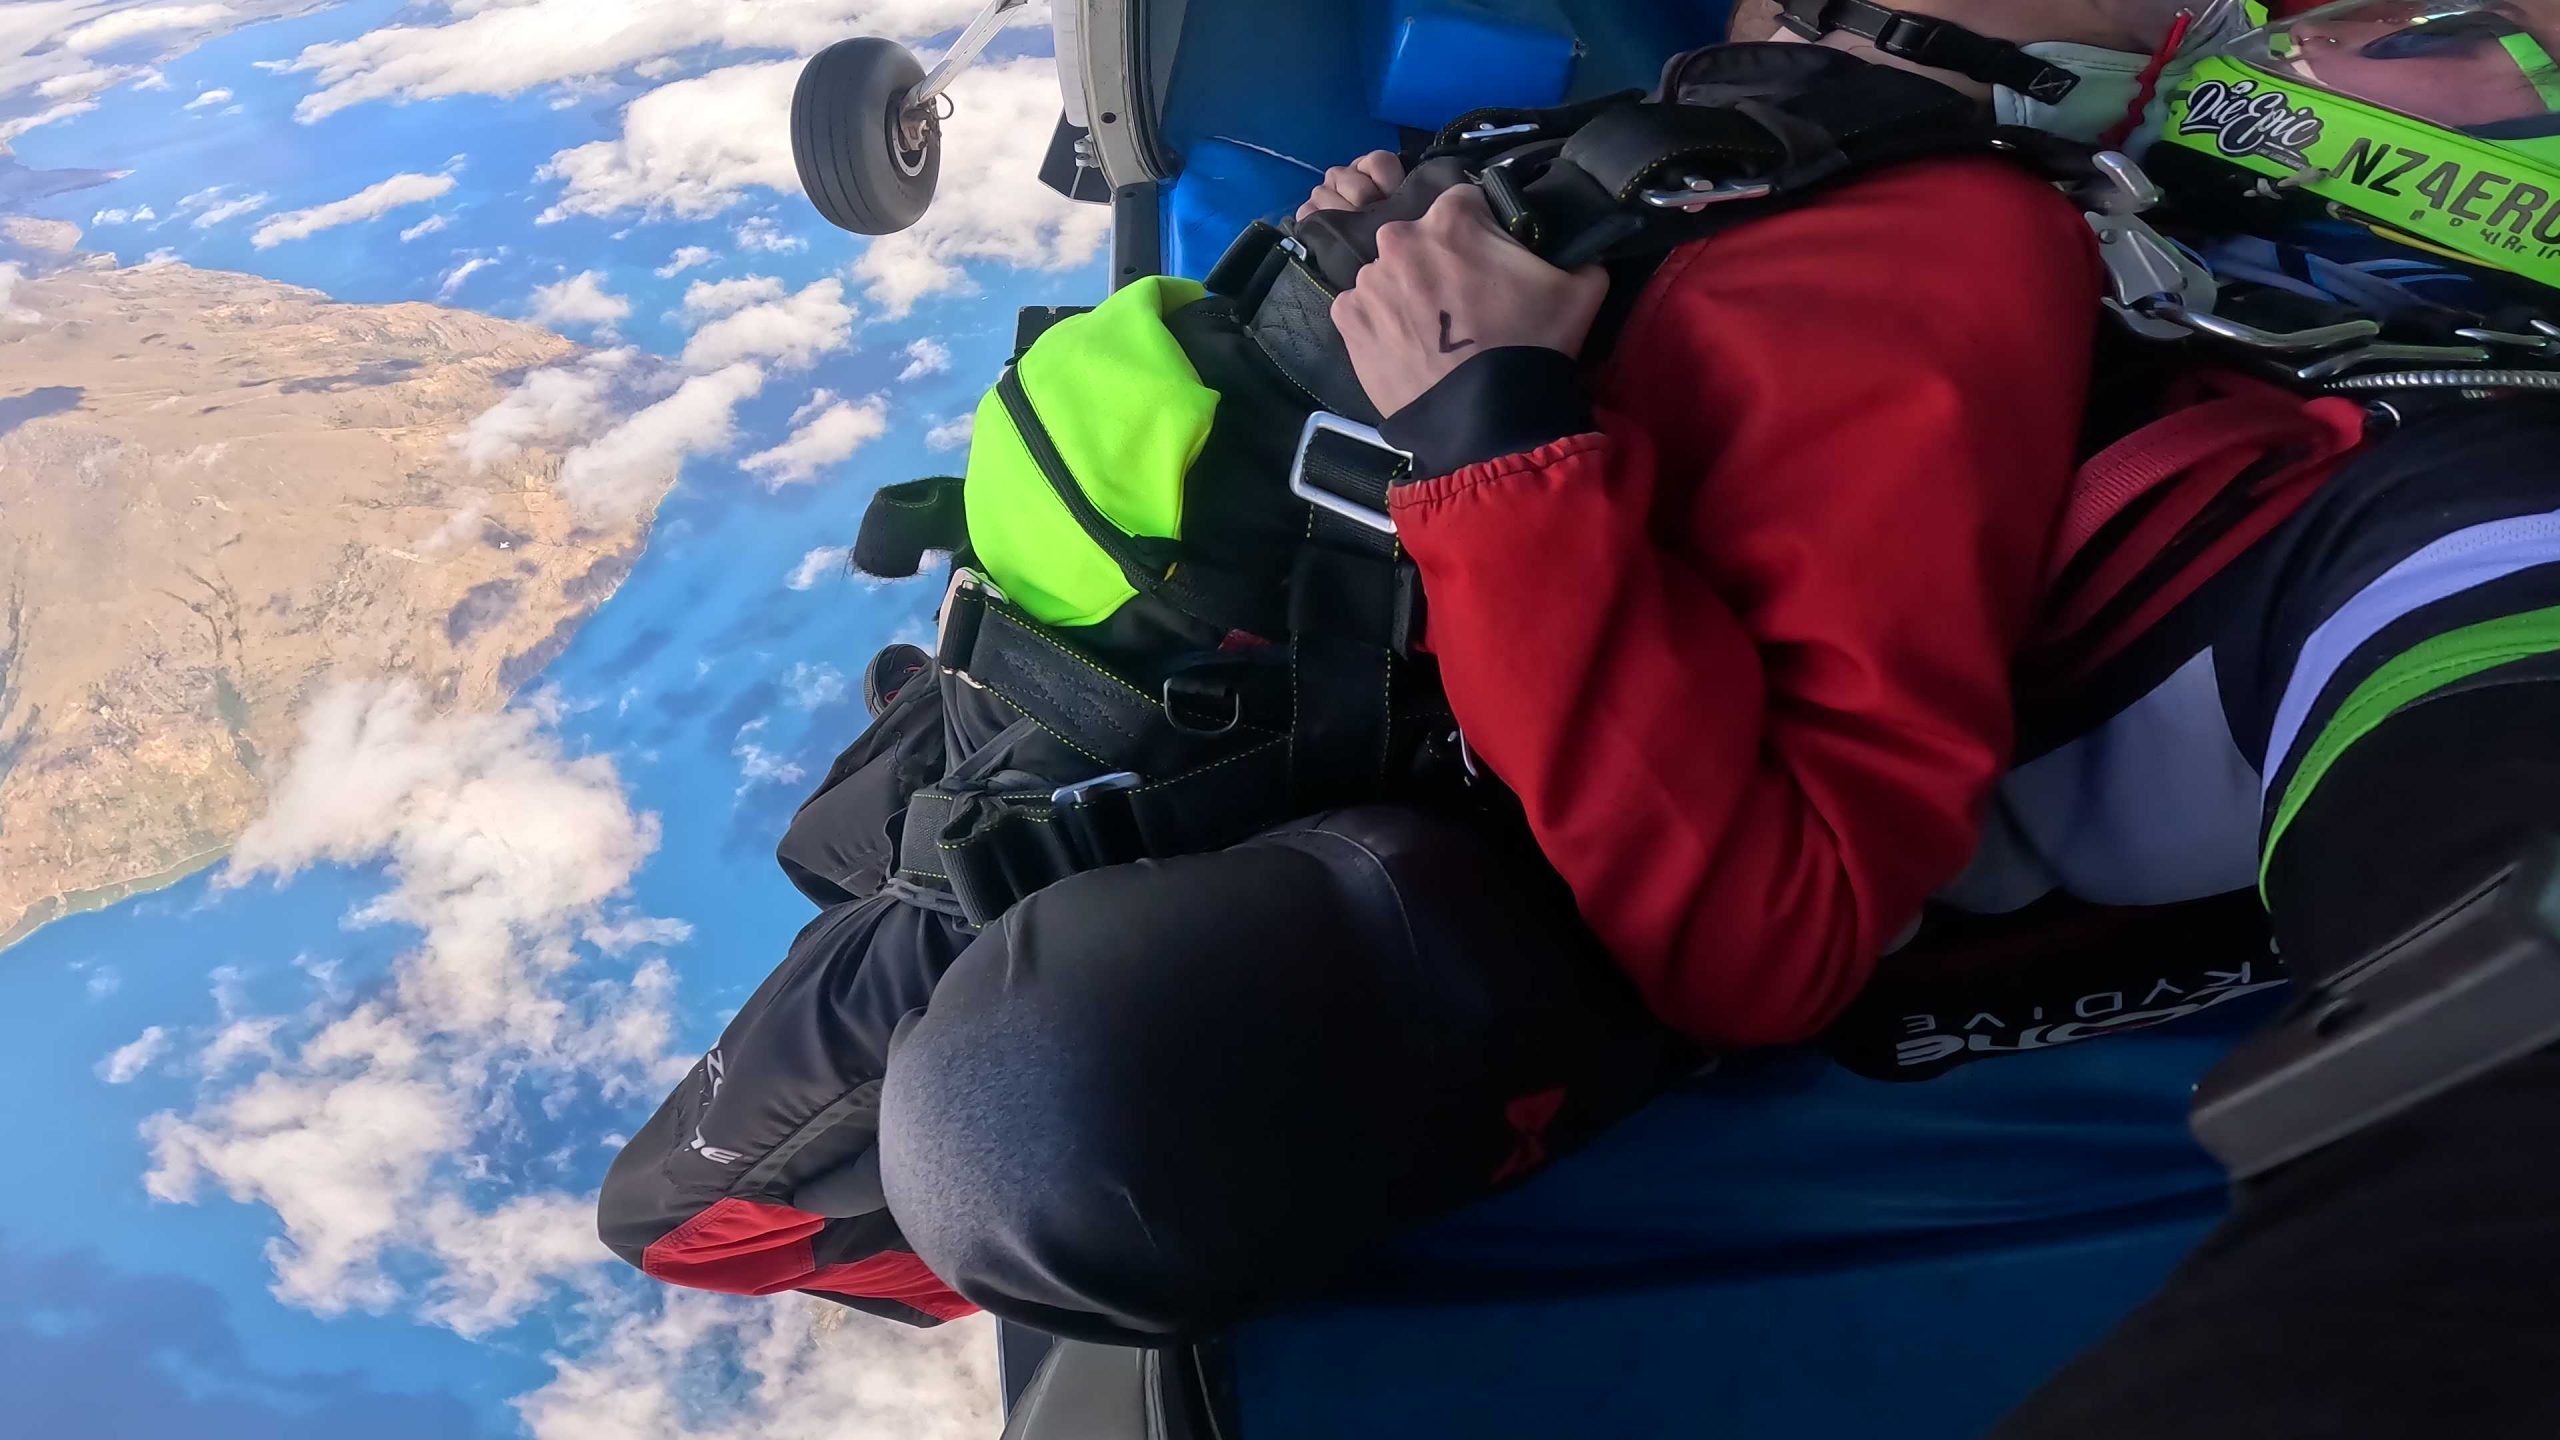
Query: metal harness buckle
{"points": [[1067, 797], [1696, 192], [1321, 422]]}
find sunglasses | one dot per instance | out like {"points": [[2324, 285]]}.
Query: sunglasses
{"points": [[2445, 35]]}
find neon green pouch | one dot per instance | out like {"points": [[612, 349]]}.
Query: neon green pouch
{"points": [[1076, 468]]}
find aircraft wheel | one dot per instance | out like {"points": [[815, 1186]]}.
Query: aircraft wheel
{"points": [[868, 166]]}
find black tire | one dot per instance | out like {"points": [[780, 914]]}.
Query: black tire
{"points": [[844, 137]]}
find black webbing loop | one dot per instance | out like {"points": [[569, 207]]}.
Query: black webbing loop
{"points": [[906, 520], [1933, 42], [1239, 271], [1105, 717], [1510, 205]]}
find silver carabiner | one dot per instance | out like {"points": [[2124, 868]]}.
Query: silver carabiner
{"points": [[2143, 267], [1068, 796], [1697, 192], [2273, 342], [2330, 367], [2120, 186]]}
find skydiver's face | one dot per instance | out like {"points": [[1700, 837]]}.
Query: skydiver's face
{"points": [[2457, 66]]}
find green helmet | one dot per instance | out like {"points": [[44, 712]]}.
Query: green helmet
{"points": [[2434, 122]]}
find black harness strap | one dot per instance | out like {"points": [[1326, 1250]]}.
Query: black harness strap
{"points": [[989, 843], [1643, 179], [1354, 614], [1104, 716], [1479, 134], [1931, 41]]}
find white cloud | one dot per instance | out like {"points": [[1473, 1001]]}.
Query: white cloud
{"points": [[130, 1060], [925, 356], [335, 1154], [554, 405], [135, 216], [158, 258], [452, 279], [625, 469], [239, 1040], [499, 847], [791, 332], [987, 208], [819, 399], [497, 1264], [12, 275], [103, 982], [580, 300], [508, 49], [685, 258], [704, 298], [428, 226], [620, 937], [817, 565], [119, 26], [764, 234], [55, 54], [813, 687], [692, 148], [12, 128], [211, 209], [712, 1367], [759, 766], [78, 84], [829, 438], [209, 99], [378, 198], [951, 434]]}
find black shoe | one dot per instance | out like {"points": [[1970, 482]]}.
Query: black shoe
{"points": [[888, 673]]}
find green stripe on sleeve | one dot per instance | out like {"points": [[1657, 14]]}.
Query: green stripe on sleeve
{"points": [[2410, 677]]}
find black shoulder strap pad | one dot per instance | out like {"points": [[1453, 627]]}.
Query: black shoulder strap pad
{"points": [[907, 520]]}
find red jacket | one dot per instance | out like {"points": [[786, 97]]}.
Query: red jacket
{"points": [[1739, 632]]}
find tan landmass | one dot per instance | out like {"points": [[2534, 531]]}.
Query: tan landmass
{"points": [[216, 492]]}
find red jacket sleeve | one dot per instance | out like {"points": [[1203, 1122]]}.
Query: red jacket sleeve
{"points": [[1742, 647]]}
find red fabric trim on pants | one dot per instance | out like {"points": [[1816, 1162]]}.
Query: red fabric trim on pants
{"points": [[753, 1247]]}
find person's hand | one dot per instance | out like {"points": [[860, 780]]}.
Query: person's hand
{"points": [[1365, 181], [1450, 286]]}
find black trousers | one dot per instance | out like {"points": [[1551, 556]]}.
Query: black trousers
{"points": [[1154, 1098], [1148, 1104]]}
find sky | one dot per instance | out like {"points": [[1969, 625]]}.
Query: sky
{"points": [[307, 1145]]}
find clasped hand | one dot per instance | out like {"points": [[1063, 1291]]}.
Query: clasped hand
{"points": [[1446, 288]]}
